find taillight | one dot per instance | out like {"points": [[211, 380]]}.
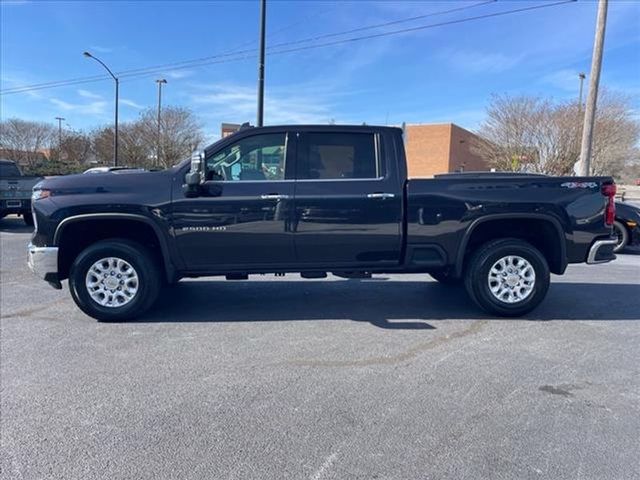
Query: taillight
{"points": [[609, 191]]}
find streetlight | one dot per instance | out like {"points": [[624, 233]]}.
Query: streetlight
{"points": [[581, 76], [115, 140], [160, 81]]}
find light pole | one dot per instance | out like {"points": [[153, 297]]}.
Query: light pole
{"points": [[160, 81], [60, 119], [263, 17], [115, 140], [581, 76]]}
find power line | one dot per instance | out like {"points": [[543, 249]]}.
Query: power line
{"points": [[153, 70], [393, 32], [197, 61]]}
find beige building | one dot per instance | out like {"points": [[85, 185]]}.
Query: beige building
{"points": [[440, 148]]}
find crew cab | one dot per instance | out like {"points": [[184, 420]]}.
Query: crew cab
{"points": [[313, 200]]}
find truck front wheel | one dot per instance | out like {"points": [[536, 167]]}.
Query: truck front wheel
{"points": [[507, 277], [114, 280]]}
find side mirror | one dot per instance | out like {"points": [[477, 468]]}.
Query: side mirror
{"points": [[194, 178]]}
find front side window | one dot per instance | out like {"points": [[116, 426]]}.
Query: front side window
{"points": [[339, 156], [260, 157]]}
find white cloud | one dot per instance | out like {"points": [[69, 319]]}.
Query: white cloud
{"points": [[238, 103], [97, 107], [100, 49], [480, 62], [130, 103], [178, 74], [88, 94], [565, 79]]}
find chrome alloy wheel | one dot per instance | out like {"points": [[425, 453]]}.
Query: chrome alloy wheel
{"points": [[511, 279], [112, 282]]}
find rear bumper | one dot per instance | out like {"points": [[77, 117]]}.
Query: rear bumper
{"points": [[15, 205], [602, 251], [43, 262]]}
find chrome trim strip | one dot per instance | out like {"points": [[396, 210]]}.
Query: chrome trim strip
{"points": [[593, 251], [381, 195], [42, 260]]}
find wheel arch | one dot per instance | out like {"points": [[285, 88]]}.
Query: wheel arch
{"points": [[502, 225], [100, 226]]}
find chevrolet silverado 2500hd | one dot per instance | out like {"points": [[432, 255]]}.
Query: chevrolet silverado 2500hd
{"points": [[314, 199]]}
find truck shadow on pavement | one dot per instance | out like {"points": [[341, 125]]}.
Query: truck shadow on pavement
{"points": [[406, 305]]}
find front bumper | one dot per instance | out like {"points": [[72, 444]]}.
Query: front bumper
{"points": [[602, 251], [43, 261]]}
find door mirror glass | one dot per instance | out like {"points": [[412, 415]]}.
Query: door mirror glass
{"points": [[193, 179]]}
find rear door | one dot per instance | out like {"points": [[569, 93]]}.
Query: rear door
{"points": [[348, 201]]}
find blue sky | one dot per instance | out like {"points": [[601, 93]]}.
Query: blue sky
{"points": [[442, 74]]}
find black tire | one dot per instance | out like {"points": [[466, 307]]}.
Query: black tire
{"points": [[28, 219], [477, 277], [445, 278], [148, 284], [621, 232]]}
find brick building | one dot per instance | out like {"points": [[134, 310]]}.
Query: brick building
{"points": [[440, 148], [227, 129]]}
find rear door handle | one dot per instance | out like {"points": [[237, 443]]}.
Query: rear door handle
{"points": [[380, 195], [274, 196]]}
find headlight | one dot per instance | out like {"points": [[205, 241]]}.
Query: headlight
{"points": [[40, 193]]}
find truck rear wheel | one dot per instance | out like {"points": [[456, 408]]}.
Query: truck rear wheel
{"points": [[507, 277], [114, 280], [28, 219]]}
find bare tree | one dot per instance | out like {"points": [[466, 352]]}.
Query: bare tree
{"points": [[134, 147], [616, 136], [25, 142], [180, 134], [75, 148], [533, 134], [102, 145], [138, 140]]}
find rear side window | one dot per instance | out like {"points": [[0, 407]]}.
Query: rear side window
{"points": [[328, 156]]}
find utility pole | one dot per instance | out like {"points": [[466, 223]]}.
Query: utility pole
{"points": [[60, 120], [263, 17], [159, 82], [592, 97]]}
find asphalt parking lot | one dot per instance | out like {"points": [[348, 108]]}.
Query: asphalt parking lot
{"points": [[396, 377]]}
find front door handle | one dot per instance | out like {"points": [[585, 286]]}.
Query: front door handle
{"points": [[381, 195], [274, 196]]}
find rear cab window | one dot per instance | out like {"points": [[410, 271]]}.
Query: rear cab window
{"points": [[338, 156]]}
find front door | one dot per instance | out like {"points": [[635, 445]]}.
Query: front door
{"points": [[243, 217], [348, 207]]}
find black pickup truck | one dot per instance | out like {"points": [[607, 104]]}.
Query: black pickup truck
{"points": [[314, 199]]}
